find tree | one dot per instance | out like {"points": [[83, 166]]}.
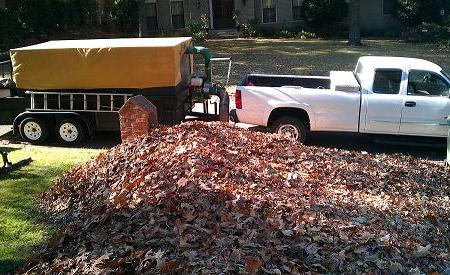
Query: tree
{"points": [[141, 19], [415, 12], [324, 16], [354, 37]]}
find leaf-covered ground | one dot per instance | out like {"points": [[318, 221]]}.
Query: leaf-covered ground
{"points": [[316, 57], [211, 198]]}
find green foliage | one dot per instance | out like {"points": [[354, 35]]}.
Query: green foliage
{"points": [[11, 31], [429, 33], [415, 12], [286, 34], [249, 29], [37, 17], [305, 35], [198, 30], [122, 16], [296, 34], [48, 16], [323, 16]]}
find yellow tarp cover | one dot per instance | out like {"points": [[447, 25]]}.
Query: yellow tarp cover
{"points": [[100, 63]]}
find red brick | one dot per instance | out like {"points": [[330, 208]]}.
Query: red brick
{"points": [[137, 117]]}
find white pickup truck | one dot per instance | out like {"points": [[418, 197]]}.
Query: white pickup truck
{"points": [[383, 95]]}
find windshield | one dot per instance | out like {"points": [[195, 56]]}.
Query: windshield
{"points": [[446, 75]]}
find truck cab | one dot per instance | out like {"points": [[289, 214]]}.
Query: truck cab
{"points": [[403, 96]]}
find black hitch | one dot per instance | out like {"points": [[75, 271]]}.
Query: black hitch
{"points": [[9, 166]]}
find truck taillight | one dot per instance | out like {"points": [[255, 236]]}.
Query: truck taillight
{"points": [[238, 99]]}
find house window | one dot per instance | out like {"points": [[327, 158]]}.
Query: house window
{"points": [[152, 16], [389, 7], [297, 9], [269, 11], [177, 11]]}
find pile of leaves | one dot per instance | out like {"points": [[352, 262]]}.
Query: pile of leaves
{"points": [[212, 198]]}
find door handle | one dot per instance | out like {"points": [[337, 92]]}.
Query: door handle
{"points": [[410, 104]]}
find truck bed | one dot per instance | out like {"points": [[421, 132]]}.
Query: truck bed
{"points": [[266, 80], [332, 103]]}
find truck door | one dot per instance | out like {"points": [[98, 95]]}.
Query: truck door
{"points": [[426, 105], [383, 103]]}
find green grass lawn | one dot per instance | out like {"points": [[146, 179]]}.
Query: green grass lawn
{"points": [[22, 226]]}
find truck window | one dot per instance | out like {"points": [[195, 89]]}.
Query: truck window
{"points": [[425, 83], [387, 81]]}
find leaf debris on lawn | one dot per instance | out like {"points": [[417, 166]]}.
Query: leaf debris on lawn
{"points": [[212, 198]]}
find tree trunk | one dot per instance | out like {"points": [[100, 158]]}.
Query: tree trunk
{"points": [[354, 37], [141, 19], [100, 11]]}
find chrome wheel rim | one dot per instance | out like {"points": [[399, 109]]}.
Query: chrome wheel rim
{"points": [[289, 131], [32, 130], [68, 132]]}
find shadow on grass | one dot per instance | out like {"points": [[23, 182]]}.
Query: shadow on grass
{"points": [[100, 140]]}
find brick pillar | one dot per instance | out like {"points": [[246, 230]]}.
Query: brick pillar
{"points": [[137, 117]]}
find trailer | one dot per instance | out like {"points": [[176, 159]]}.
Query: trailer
{"points": [[73, 88]]}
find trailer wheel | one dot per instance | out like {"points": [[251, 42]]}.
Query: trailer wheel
{"points": [[34, 130], [71, 131], [290, 127]]}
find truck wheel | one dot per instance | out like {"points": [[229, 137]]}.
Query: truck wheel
{"points": [[71, 131], [34, 130], [290, 127]]}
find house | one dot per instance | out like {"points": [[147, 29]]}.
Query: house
{"points": [[375, 15]]}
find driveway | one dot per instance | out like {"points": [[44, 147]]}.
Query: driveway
{"points": [[4, 129]]}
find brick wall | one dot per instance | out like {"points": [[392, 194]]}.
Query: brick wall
{"points": [[137, 117]]}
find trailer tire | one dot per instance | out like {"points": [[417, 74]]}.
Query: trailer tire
{"points": [[33, 130], [290, 127], [71, 131]]}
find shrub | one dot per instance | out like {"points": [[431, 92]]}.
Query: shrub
{"points": [[429, 33], [198, 30], [415, 12], [286, 34], [48, 16], [11, 31], [122, 16], [305, 35], [249, 29], [323, 16]]}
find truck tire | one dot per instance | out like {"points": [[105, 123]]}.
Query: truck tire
{"points": [[290, 127], [33, 130], [71, 131]]}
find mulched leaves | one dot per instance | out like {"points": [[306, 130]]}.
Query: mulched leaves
{"points": [[212, 198]]}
